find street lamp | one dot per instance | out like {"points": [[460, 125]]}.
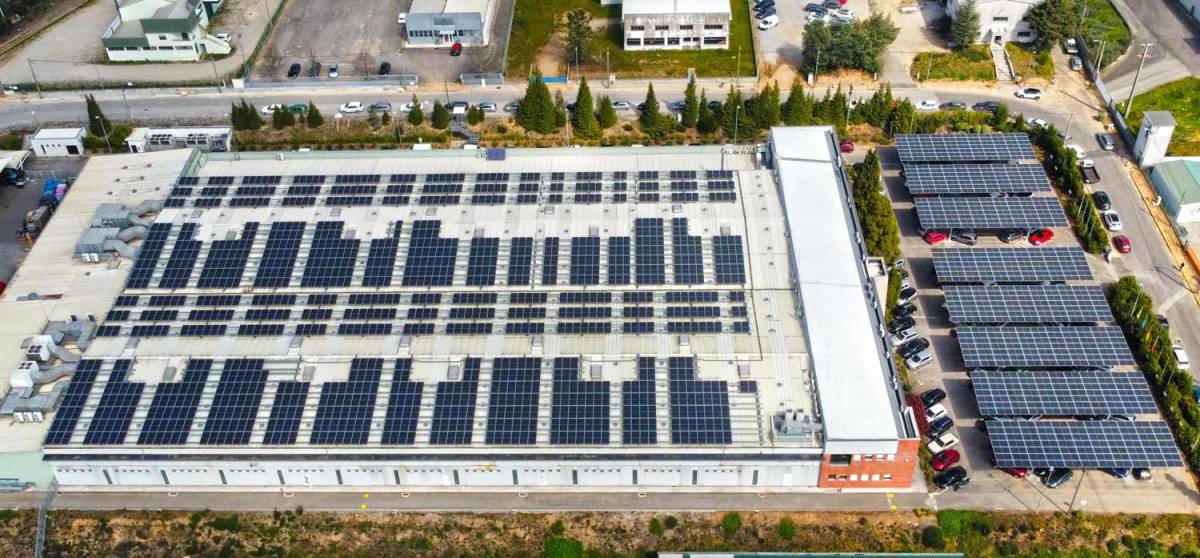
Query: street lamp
{"points": [[102, 129], [128, 110], [737, 111], [1100, 60]]}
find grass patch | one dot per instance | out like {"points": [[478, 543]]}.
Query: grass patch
{"points": [[1028, 63], [536, 22], [1103, 23], [973, 63], [1182, 98]]}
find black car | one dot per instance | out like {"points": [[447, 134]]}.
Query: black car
{"points": [[816, 8], [952, 105], [954, 476], [907, 294], [985, 106], [939, 426], [965, 237], [933, 396], [913, 347], [906, 309], [385, 68], [1163, 321], [1042, 472], [1103, 203], [768, 11], [294, 70], [1057, 477], [901, 324], [1117, 473], [762, 4], [1011, 235]]}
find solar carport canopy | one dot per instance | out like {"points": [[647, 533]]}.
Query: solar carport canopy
{"points": [[1049, 347], [1083, 444], [956, 178], [1010, 265], [990, 213], [1067, 393], [964, 148], [998, 304]]}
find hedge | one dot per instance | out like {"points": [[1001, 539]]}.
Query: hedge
{"points": [[1063, 169]]}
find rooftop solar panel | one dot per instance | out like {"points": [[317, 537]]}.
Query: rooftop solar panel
{"points": [[1083, 444], [990, 213], [1062, 347], [1068, 393], [964, 147], [1010, 265], [955, 178], [971, 304]]}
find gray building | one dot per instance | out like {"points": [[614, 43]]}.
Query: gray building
{"points": [[675, 24], [445, 22]]}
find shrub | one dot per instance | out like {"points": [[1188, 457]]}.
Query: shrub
{"points": [[557, 528], [562, 547], [671, 522], [787, 529], [731, 523], [932, 537], [656, 526]]}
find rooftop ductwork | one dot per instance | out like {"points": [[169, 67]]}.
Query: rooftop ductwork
{"points": [[114, 226]]}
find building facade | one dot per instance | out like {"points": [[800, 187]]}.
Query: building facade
{"points": [[446, 22], [675, 24], [209, 138], [58, 142], [163, 30], [1177, 182], [1000, 21]]}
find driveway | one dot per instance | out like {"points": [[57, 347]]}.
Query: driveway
{"points": [[1176, 50]]}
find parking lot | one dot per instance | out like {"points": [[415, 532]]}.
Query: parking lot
{"points": [[358, 37], [784, 43]]}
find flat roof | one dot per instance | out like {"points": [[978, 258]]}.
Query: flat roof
{"points": [[856, 387], [675, 7], [58, 133], [449, 6]]}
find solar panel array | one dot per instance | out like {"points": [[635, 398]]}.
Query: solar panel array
{"points": [[990, 213], [1000, 304], [965, 179], [1049, 347], [921, 148], [1083, 444], [1010, 265], [1066, 393]]}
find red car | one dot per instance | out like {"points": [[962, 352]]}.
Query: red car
{"points": [[936, 236], [456, 49], [1041, 236], [1019, 473], [1122, 244], [846, 146], [942, 461]]}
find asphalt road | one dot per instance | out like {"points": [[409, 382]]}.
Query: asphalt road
{"points": [[1176, 50]]}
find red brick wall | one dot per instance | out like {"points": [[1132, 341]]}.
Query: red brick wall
{"points": [[873, 471]]}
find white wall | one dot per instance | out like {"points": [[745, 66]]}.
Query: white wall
{"points": [[1004, 19], [56, 148]]}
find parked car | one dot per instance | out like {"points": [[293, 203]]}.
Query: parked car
{"points": [[933, 396], [906, 309], [1181, 355], [380, 106], [487, 106], [1041, 236], [903, 336], [223, 37], [1071, 47], [1011, 235], [939, 426], [942, 443], [833, 4], [1106, 141], [900, 324], [457, 105], [912, 347], [405, 108], [622, 105], [512, 107], [934, 412], [1102, 201], [1036, 122], [298, 108], [1029, 93], [456, 49], [919, 360], [1017, 472], [953, 105], [846, 146], [965, 237], [351, 107], [845, 13], [1112, 221], [1122, 244], [935, 236], [1076, 64], [1089, 172], [942, 461], [402, 18], [271, 108], [1118, 473], [385, 69], [1080, 154], [333, 70], [815, 8], [907, 294], [1141, 473], [814, 16], [293, 70], [769, 22], [1057, 477], [954, 477], [927, 105], [765, 12], [986, 106]]}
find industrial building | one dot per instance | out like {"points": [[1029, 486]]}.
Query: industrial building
{"points": [[163, 31], [1177, 182], [675, 24], [445, 22], [205, 138], [58, 142], [1000, 21], [632, 317]]}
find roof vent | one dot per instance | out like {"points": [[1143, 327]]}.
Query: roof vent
{"points": [[454, 373]]}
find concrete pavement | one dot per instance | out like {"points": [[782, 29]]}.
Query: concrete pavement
{"points": [[1176, 53]]}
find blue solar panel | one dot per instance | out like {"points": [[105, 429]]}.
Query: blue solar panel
{"points": [[454, 407], [235, 404], [686, 253], [183, 259], [699, 409], [173, 408], [430, 259], [729, 266], [585, 260], [513, 402], [72, 403], [618, 260], [520, 261], [147, 258], [115, 410], [279, 256], [345, 409], [579, 409], [550, 261], [331, 258], [381, 259], [227, 260], [638, 406], [481, 263], [648, 240], [404, 404]]}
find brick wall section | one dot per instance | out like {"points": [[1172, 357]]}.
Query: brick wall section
{"points": [[873, 471]]}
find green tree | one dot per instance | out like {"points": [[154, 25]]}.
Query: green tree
{"points": [[253, 120], [1000, 117], [416, 116], [282, 118], [764, 109], [535, 111], [671, 522], [98, 124], [706, 122], [580, 35], [798, 109], [691, 105], [651, 117], [608, 115], [902, 120], [733, 117], [441, 116], [560, 110], [373, 120], [786, 529], [964, 30], [731, 522], [881, 233], [656, 526], [562, 547], [313, 117], [1053, 21], [932, 537], [858, 45], [585, 124], [236, 116], [558, 528], [386, 118], [474, 115]]}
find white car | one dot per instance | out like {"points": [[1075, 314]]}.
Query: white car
{"points": [[352, 107], [1181, 356], [768, 22], [935, 411], [406, 107], [622, 105], [919, 360], [1080, 154], [845, 13], [1112, 221], [1029, 93], [813, 16], [224, 37], [927, 105], [904, 337], [487, 106], [1037, 122], [1086, 163], [943, 442], [402, 18], [271, 108]]}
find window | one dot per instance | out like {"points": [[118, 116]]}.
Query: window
{"points": [[840, 459], [714, 27], [662, 27], [853, 478], [637, 27], [1000, 18], [162, 37], [687, 27], [633, 42], [887, 477], [1024, 33], [655, 41], [183, 36], [714, 40], [673, 41]]}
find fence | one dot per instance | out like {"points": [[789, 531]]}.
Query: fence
{"points": [[481, 79], [1110, 103]]}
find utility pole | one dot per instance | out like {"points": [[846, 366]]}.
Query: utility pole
{"points": [[106, 141], [1133, 88], [1100, 61], [35, 81], [737, 111], [817, 71], [128, 110]]}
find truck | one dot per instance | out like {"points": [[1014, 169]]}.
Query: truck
{"points": [[1090, 176]]}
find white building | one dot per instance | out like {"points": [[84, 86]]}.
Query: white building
{"points": [[1000, 21], [207, 138], [675, 24], [163, 30], [58, 142], [445, 22]]}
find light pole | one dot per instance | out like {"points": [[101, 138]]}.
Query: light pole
{"points": [[737, 111], [1133, 88], [128, 110], [1100, 60], [102, 129]]}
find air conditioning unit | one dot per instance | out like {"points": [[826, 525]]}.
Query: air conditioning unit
{"points": [[22, 377], [37, 352]]}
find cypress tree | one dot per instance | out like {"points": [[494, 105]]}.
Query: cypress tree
{"points": [[535, 111], [585, 125], [733, 115], [313, 117], [691, 106], [608, 115], [441, 116], [560, 110], [650, 118], [416, 116], [282, 118], [790, 111], [250, 112], [706, 121], [98, 124], [235, 116], [771, 112]]}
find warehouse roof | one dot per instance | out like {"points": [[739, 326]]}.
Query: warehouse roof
{"points": [[630, 7]]}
